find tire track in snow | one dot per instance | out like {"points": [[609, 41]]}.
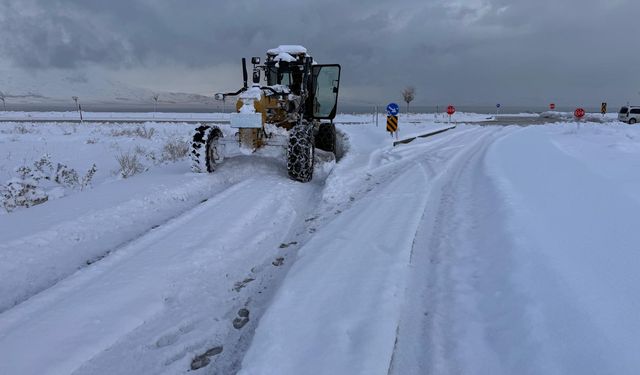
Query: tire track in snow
{"points": [[422, 345], [179, 275], [31, 264]]}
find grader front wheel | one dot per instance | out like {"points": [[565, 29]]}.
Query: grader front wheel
{"points": [[301, 153]]}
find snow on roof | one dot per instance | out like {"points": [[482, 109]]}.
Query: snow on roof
{"points": [[283, 56], [290, 49]]}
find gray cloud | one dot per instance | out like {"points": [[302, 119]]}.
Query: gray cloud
{"points": [[474, 51]]}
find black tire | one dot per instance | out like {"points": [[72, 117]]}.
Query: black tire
{"points": [[326, 137], [632, 121], [301, 153], [204, 149]]}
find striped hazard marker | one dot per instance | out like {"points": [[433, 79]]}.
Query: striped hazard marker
{"points": [[392, 124]]}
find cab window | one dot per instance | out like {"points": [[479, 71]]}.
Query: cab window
{"points": [[326, 81]]}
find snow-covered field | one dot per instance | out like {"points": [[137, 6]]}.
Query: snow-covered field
{"points": [[480, 250]]}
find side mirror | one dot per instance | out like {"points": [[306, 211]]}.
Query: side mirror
{"points": [[219, 96], [255, 60]]}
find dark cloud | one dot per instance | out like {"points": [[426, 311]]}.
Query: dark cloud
{"points": [[472, 51]]}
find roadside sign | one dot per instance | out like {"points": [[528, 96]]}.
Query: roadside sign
{"points": [[498, 105], [603, 108], [552, 106], [451, 110], [392, 124], [579, 113], [393, 109]]}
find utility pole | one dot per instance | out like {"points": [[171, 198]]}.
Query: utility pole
{"points": [[155, 104], [75, 99]]}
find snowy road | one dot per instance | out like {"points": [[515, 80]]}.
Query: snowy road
{"points": [[177, 278], [481, 250]]}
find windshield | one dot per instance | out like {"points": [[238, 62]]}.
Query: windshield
{"points": [[624, 110], [285, 74], [274, 77]]}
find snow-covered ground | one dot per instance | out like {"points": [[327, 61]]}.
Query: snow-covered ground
{"points": [[480, 250], [9, 116]]}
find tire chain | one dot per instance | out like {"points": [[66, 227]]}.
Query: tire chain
{"points": [[299, 156]]}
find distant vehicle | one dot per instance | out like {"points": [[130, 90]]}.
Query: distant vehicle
{"points": [[629, 114]]}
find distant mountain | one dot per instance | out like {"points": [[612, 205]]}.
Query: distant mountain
{"points": [[58, 86]]}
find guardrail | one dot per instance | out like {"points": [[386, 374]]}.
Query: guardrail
{"points": [[411, 139]]}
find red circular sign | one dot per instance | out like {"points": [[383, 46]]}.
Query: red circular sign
{"points": [[552, 106], [451, 110], [579, 113]]}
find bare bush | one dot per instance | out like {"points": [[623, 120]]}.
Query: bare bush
{"points": [[175, 149], [69, 130], [88, 177], [129, 164], [143, 132], [147, 154], [29, 188], [21, 193], [66, 176], [18, 129], [139, 131]]}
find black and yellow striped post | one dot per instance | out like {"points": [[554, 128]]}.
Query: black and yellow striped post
{"points": [[392, 124], [603, 108]]}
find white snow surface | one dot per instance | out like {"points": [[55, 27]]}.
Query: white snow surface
{"points": [[481, 250], [290, 49]]}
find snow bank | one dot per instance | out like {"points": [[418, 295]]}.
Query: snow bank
{"points": [[577, 241]]}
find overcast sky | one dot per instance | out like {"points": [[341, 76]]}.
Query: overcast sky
{"points": [[517, 52]]}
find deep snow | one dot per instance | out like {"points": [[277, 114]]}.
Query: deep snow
{"points": [[484, 249]]}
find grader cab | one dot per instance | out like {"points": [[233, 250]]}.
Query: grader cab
{"points": [[294, 110]]}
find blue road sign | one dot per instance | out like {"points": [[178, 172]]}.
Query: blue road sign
{"points": [[393, 109], [498, 105]]}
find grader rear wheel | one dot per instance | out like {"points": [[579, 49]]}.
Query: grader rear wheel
{"points": [[205, 151], [326, 137]]}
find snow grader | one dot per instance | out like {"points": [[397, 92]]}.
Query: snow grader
{"points": [[294, 111]]}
